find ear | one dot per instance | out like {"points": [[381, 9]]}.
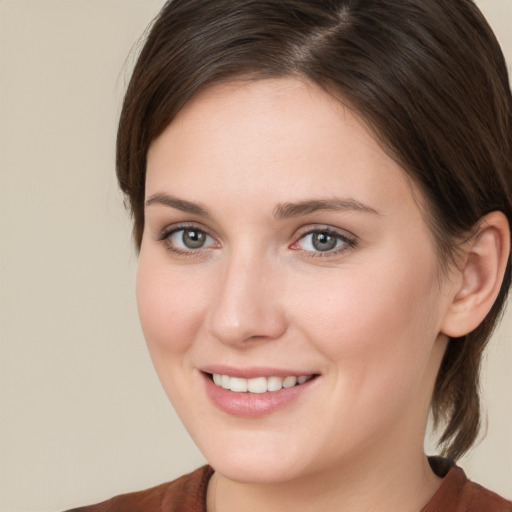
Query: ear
{"points": [[481, 274]]}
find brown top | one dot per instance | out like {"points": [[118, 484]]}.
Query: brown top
{"points": [[185, 494], [457, 494], [188, 494]]}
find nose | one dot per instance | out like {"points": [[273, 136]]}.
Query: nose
{"points": [[248, 306]]}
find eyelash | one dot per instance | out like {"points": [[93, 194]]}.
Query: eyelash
{"points": [[348, 241], [167, 233]]}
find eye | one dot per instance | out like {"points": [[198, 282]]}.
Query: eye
{"points": [[187, 239], [324, 241]]}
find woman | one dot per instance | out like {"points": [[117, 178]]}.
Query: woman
{"points": [[321, 194]]}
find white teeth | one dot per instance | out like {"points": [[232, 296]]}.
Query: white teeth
{"points": [[238, 385], [274, 383], [289, 382], [258, 384], [226, 381]]}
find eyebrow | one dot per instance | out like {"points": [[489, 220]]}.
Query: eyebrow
{"points": [[287, 210], [281, 211], [179, 204]]}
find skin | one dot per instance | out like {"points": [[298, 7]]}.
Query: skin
{"points": [[366, 317]]}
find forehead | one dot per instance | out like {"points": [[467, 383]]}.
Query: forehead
{"points": [[274, 139]]}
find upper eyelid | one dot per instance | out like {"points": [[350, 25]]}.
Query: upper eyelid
{"points": [[349, 239], [173, 228], [306, 230], [165, 235]]}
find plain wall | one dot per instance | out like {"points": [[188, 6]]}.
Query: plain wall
{"points": [[82, 414]]}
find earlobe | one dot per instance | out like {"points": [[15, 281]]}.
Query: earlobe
{"points": [[484, 262]]}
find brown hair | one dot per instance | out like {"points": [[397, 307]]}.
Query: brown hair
{"points": [[427, 75]]}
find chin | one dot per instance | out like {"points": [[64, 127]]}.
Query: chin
{"points": [[246, 468], [254, 457]]}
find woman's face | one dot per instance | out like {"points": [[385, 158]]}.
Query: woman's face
{"points": [[282, 242]]}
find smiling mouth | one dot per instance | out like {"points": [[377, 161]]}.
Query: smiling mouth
{"points": [[258, 384]]}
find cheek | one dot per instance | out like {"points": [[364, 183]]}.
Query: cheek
{"points": [[378, 336], [171, 304], [377, 325]]}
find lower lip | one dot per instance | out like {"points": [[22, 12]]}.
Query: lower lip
{"points": [[253, 405]]}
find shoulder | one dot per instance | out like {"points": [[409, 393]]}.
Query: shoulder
{"points": [[185, 493], [458, 494], [483, 500]]}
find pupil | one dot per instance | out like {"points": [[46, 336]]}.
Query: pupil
{"points": [[324, 241], [193, 239]]}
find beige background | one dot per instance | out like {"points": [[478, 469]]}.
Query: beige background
{"points": [[82, 415]]}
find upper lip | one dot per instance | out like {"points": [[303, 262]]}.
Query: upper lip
{"points": [[253, 371]]}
